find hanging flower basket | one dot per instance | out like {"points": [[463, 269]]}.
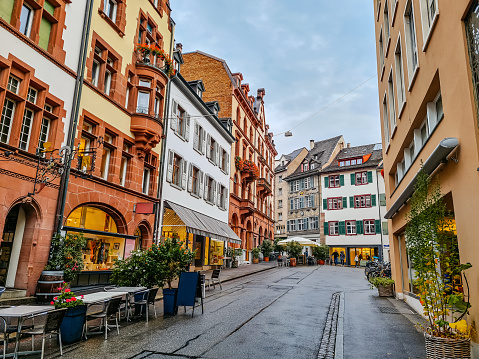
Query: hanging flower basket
{"points": [[239, 163], [446, 348], [147, 49]]}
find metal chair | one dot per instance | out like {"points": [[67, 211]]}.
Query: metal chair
{"points": [[280, 262], [151, 298], [142, 300], [52, 324], [215, 277], [2, 289], [5, 330], [110, 310]]}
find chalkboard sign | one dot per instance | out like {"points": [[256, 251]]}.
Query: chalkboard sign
{"points": [[187, 289]]}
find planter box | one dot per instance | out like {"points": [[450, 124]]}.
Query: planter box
{"points": [[447, 348], [255, 260], [386, 290], [169, 302], [72, 325]]}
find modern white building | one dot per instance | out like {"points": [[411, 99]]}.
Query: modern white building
{"points": [[196, 174], [354, 204]]}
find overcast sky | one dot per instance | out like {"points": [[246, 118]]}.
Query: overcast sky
{"points": [[305, 53]]}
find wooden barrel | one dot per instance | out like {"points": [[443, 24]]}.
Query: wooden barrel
{"points": [[49, 285]]}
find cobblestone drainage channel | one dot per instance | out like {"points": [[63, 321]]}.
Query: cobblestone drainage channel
{"points": [[328, 341]]}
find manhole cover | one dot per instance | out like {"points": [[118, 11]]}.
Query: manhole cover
{"points": [[389, 310]]}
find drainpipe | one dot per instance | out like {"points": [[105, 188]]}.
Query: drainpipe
{"points": [[380, 218], [160, 206], [75, 112]]}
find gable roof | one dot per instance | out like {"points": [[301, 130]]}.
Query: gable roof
{"points": [[289, 157], [353, 152]]}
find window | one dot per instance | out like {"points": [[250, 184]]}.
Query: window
{"points": [[363, 201], [210, 189], [124, 169], [26, 129], [107, 83], [307, 183], [381, 52], [305, 167], [48, 108], [386, 133], [13, 84], [195, 181], [361, 178], [280, 191], [211, 149], [95, 73], [292, 225], [334, 181], [411, 43], [280, 179], [392, 107], [303, 224], [44, 132], [7, 119], [222, 196], [313, 223], [176, 170], [335, 203], [104, 68], [26, 19], [145, 186], [105, 163], [143, 102], [180, 122], [400, 88], [333, 228], [280, 216], [280, 203], [369, 226], [224, 160], [386, 22], [351, 228], [32, 95], [110, 9]]}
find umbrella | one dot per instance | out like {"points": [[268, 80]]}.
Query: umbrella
{"points": [[303, 241]]}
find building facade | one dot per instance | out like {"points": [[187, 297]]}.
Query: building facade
{"points": [[285, 166], [429, 116], [251, 208], [38, 68], [196, 186], [353, 202]]}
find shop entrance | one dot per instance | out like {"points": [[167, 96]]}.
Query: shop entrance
{"points": [[199, 244], [11, 244]]}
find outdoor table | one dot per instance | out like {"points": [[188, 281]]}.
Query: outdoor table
{"points": [[98, 297], [21, 312], [130, 291]]}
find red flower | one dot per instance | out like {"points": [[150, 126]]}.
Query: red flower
{"points": [[74, 299], [67, 290], [52, 303], [68, 300], [82, 296], [55, 298]]}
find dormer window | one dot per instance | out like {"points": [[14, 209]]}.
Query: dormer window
{"points": [[350, 162], [305, 167]]}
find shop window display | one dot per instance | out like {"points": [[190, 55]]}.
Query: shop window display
{"points": [[217, 252]]}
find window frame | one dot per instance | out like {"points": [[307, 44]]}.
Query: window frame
{"points": [[332, 201], [363, 175], [352, 224], [336, 182], [367, 197], [335, 225], [373, 227], [26, 143]]}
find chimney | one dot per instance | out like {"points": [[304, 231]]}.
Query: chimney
{"points": [[348, 145], [179, 47], [311, 144], [261, 93]]}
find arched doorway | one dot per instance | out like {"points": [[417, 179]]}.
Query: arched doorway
{"points": [[260, 240], [248, 235]]}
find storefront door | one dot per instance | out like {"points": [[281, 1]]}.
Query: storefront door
{"points": [[199, 244], [11, 244]]}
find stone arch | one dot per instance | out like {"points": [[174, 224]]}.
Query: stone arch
{"points": [[120, 221], [260, 239], [234, 223]]}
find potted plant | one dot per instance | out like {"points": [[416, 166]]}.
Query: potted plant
{"points": [[321, 253], [432, 246], [266, 249], [294, 250], [72, 325], [255, 253], [234, 253], [385, 286]]}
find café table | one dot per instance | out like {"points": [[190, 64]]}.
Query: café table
{"points": [[100, 297], [21, 312], [130, 292]]}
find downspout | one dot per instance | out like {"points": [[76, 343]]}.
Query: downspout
{"points": [[75, 112], [380, 221], [160, 206]]}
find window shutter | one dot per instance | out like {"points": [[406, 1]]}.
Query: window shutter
{"points": [[377, 224], [169, 173], [287, 226], [345, 202], [291, 204], [200, 183], [218, 198], [359, 227], [312, 181], [325, 204], [370, 177], [382, 199], [296, 225], [187, 130], [184, 173], [305, 224], [291, 187], [301, 202], [214, 192], [205, 192], [342, 227], [326, 228], [312, 200], [208, 145], [301, 183], [341, 180], [351, 202], [353, 179], [217, 154], [174, 111], [226, 194], [203, 144], [44, 34], [190, 177], [373, 200], [227, 164], [385, 228], [196, 137], [326, 181]]}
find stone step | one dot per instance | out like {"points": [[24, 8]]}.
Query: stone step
{"points": [[11, 293]]}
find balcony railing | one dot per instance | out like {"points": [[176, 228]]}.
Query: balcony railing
{"points": [[265, 185]]}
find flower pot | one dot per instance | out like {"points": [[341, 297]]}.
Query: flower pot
{"points": [[292, 262], [321, 262], [446, 348], [255, 260], [169, 302], [49, 285], [266, 259], [386, 290], [72, 325]]}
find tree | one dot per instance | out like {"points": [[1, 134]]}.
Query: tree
{"points": [[294, 249], [320, 252], [66, 255], [266, 247]]}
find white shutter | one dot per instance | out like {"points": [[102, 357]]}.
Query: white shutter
{"points": [[226, 198], [214, 191], [218, 199], [200, 183], [169, 173], [203, 144], [227, 164], [196, 136], [174, 111], [190, 177], [217, 154], [187, 131], [206, 187], [184, 173], [208, 144]]}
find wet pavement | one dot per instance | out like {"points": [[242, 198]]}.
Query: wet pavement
{"points": [[302, 312]]}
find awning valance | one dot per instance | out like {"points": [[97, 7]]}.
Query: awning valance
{"points": [[203, 225]]}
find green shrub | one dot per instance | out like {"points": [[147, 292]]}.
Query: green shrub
{"points": [[321, 252], [380, 281], [294, 249], [66, 255], [266, 247], [255, 252]]}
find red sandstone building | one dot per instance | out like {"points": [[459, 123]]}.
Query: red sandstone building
{"points": [[252, 173]]}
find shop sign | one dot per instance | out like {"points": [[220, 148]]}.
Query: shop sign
{"points": [[144, 208]]}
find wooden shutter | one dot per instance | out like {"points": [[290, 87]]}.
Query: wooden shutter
{"points": [[325, 204], [216, 160], [345, 202], [312, 181], [326, 228], [287, 226], [312, 200], [203, 144], [301, 183], [382, 199], [184, 173], [208, 145], [359, 227], [342, 227], [196, 137], [174, 111], [205, 192], [341, 180], [214, 192], [351, 202], [291, 204], [353, 179], [200, 183], [226, 194], [169, 172], [305, 224], [218, 198], [377, 224], [190, 177], [6, 9], [291, 187], [44, 34], [370, 177], [326, 181], [227, 164], [187, 127], [373, 200]]}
